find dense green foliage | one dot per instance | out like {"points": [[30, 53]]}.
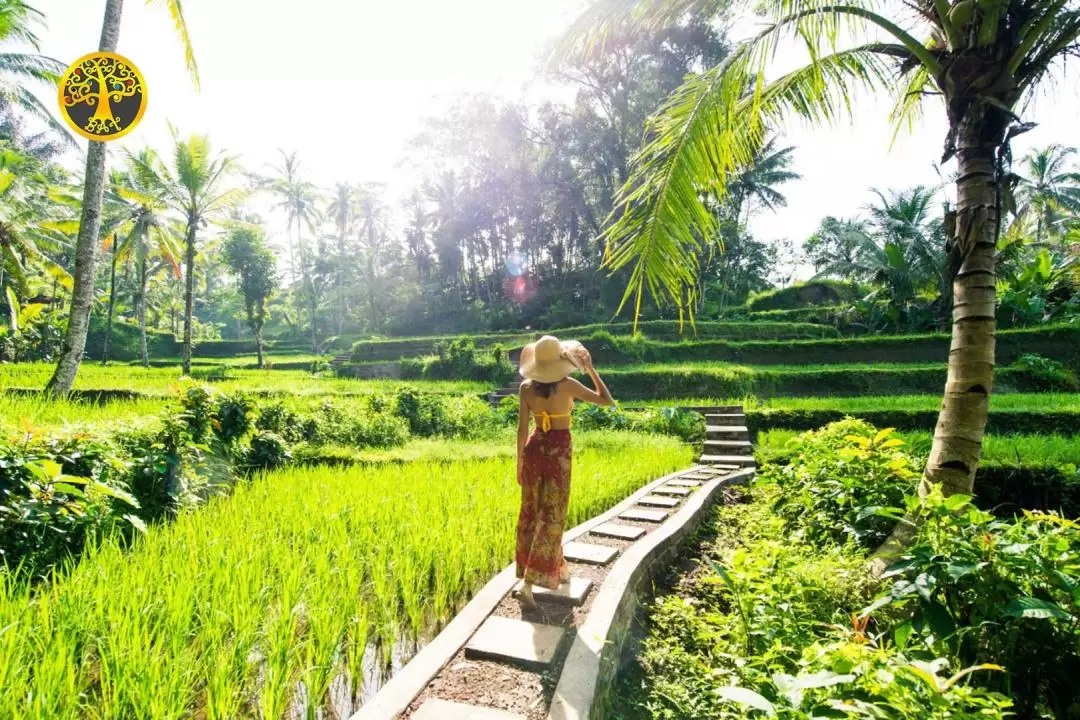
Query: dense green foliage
{"points": [[979, 617]]}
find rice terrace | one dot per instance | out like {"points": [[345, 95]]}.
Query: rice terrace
{"points": [[564, 360]]}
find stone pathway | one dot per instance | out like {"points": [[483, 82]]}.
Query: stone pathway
{"points": [[510, 667]]}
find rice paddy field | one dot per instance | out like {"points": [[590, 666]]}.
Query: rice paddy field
{"points": [[164, 381], [287, 596]]}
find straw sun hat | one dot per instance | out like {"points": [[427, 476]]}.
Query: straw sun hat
{"points": [[549, 360]]}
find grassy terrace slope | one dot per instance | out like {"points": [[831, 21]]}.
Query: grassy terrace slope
{"points": [[705, 380], [664, 330], [292, 579], [162, 381]]}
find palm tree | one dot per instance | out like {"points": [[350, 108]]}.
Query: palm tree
{"points": [[90, 222], [193, 188], [982, 61], [1050, 189], [299, 200], [17, 22], [341, 209], [372, 218], [30, 222], [756, 183], [137, 224]]}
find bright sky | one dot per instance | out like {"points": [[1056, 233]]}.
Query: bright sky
{"points": [[347, 83]]}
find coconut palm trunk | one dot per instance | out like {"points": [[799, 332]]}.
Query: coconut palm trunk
{"points": [[82, 292], [965, 409], [140, 307], [112, 304], [189, 290]]}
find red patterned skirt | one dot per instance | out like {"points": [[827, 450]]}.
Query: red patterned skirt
{"points": [[545, 495]]}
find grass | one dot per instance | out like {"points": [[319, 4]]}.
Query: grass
{"points": [[163, 381], [1027, 450], [1048, 402], [294, 578], [18, 411]]}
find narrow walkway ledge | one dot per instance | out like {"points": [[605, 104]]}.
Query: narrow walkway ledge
{"points": [[589, 670], [396, 695]]}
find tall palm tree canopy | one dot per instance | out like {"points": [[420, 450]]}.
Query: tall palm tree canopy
{"points": [[983, 62], [17, 23], [1049, 188]]}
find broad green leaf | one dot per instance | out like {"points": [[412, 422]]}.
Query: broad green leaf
{"points": [[957, 501], [1029, 607], [884, 433], [742, 696], [901, 634], [137, 522]]}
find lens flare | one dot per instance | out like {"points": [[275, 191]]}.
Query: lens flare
{"points": [[519, 289]]}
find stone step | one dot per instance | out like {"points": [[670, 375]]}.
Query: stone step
{"points": [[728, 447], [571, 593], [645, 515], [727, 429], [657, 501], [670, 489], [713, 409], [436, 709], [614, 530], [589, 554], [739, 461], [516, 641], [725, 419], [688, 482]]}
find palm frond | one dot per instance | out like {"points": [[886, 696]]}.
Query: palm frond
{"points": [[709, 128], [176, 12]]}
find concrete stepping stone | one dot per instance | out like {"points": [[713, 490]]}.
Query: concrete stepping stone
{"points": [[589, 554], [657, 501], [515, 641], [729, 462], [689, 482], [623, 532], [672, 490], [645, 515], [702, 475], [571, 593], [436, 709]]}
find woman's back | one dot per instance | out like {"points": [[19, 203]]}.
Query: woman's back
{"points": [[555, 399]]}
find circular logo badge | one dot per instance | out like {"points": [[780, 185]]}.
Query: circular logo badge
{"points": [[102, 96]]}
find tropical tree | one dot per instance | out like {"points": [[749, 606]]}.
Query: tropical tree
{"points": [[372, 217], [17, 23], [755, 185], [137, 225], [299, 200], [193, 187], [341, 209], [983, 61], [1049, 189], [30, 222], [90, 221], [248, 255]]}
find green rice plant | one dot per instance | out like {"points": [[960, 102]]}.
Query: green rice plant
{"points": [[287, 582]]}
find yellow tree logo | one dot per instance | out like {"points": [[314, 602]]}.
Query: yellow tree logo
{"points": [[102, 96]]}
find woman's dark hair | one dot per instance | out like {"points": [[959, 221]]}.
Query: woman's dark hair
{"points": [[544, 390]]}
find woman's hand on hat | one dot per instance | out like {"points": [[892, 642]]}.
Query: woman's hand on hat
{"points": [[584, 358]]}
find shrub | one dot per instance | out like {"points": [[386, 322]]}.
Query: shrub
{"points": [[684, 424], [231, 417], [1046, 375], [1002, 591], [280, 420], [266, 451], [840, 480], [599, 417], [814, 292]]}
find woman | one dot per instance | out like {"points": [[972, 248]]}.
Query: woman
{"points": [[548, 394]]}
